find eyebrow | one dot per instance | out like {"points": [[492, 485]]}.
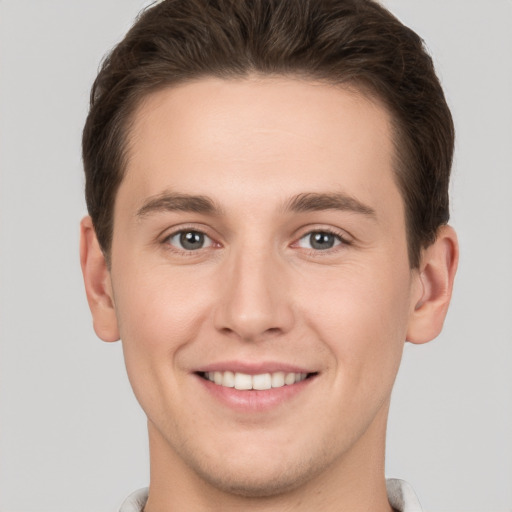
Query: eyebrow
{"points": [[300, 203], [311, 201], [178, 202]]}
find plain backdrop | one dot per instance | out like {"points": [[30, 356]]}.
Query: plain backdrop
{"points": [[72, 437]]}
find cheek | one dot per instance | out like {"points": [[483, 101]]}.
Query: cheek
{"points": [[158, 312], [361, 316]]}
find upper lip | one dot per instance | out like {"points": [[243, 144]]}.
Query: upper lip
{"points": [[253, 368]]}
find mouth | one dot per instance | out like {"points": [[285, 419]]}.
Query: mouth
{"points": [[259, 382], [255, 388]]}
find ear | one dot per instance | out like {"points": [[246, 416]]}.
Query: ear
{"points": [[435, 284], [98, 286]]}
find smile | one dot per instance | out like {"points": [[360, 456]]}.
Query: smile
{"points": [[263, 381]]}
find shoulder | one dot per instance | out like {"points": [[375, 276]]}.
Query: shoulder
{"points": [[401, 496], [135, 502]]}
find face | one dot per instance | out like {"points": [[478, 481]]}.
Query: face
{"points": [[260, 279]]}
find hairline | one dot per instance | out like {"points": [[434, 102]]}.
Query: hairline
{"points": [[357, 86]]}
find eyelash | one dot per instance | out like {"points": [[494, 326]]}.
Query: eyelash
{"points": [[343, 241], [187, 252], [340, 237]]}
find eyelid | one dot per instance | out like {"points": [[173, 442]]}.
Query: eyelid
{"points": [[176, 230], [306, 239], [208, 241], [344, 237]]}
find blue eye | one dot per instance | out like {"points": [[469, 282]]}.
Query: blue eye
{"points": [[320, 240], [189, 240]]}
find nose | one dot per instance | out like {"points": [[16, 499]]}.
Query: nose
{"points": [[255, 301]]}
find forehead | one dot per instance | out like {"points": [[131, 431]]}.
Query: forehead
{"points": [[265, 137]]}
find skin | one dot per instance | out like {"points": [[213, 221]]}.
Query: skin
{"points": [[258, 291]]}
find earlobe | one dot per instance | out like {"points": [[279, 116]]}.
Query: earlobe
{"points": [[97, 282], [435, 284]]}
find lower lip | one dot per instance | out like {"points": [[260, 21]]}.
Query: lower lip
{"points": [[255, 400]]}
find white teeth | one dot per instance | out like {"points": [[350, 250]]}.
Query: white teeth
{"points": [[278, 379], [263, 381], [244, 381], [289, 378], [228, 380]]}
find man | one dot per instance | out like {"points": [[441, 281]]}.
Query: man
{"points": [[267, 184]]}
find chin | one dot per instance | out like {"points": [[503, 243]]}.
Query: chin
{"points": [[257, 472], [256, 482]]}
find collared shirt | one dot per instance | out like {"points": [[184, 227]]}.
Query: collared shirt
{"points": [[400, 495]]}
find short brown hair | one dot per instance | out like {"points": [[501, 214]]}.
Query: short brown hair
{"points": [[353, 42]]}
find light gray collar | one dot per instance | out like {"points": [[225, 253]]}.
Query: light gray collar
{"points": [[400, 494]]}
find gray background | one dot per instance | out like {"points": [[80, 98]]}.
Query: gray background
{"points": [[72, 438]]}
